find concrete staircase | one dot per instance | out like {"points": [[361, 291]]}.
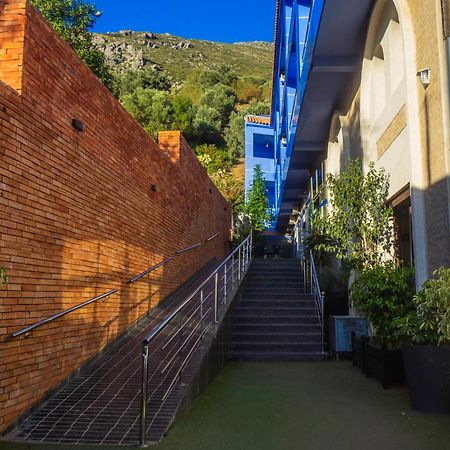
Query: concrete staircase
{"points": [[275, 320]]}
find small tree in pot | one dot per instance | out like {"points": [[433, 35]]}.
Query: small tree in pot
{"points": [[384, 293], [427, 355]]}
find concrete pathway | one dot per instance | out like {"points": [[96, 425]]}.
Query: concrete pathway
{"points": [[297, 406]]}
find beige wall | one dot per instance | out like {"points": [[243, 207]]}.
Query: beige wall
{"points": [[403, 126]]}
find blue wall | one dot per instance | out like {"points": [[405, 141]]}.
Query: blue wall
{"points": [[294, 25]]}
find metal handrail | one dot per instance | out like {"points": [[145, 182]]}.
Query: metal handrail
{"points": [[310, 274], [103, 296], [28, 328], [241, 257]]}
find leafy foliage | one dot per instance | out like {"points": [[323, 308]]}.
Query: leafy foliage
{"points": [[231, 188], [219, 75], [257, 205], [221, 99], [251, 88], [234, 134], [72, 19], [359, 223], [152, 108], [383, 293], [131, 80], [3, 276], [213, 159], [429, 323]]}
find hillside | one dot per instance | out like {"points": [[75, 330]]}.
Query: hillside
{"points": [[177, 57], [202, 88]]}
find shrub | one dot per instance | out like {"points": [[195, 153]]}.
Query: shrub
{"points": [[429, 323], [384, 293]]}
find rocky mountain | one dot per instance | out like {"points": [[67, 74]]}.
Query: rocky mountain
{"points": [[177, 57]]}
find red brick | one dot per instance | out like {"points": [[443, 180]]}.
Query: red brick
{"points": [[78, 215]]}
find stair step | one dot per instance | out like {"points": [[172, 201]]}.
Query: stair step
{"points": [[274, 327], [275, 296], [276, 337], [275, 303], [299, 311], [280, 320], [278, 356], [276, 284], [270, 346], [270, 288]]}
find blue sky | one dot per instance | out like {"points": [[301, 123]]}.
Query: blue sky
{"points": [[224, 20]]}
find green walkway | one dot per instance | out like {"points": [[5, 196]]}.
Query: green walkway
{"points": [[298, 406]]}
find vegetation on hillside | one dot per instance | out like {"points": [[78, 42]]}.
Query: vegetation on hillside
{"points": [[72, 20], [168, 83]]}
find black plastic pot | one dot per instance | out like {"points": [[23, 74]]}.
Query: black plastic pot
{"points": [[428, 375], [358, 351], [385, 364]]}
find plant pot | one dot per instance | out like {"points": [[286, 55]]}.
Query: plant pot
{"points": [[358, 351], [428, 375], [384, 364]]}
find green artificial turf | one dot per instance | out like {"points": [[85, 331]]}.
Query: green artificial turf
{"points": [[297, 406]]}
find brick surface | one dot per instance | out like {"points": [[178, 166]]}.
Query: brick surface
{"points": [[78, 215]]}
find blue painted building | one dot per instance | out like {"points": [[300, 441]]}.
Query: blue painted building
{"points": [[317, 50]]}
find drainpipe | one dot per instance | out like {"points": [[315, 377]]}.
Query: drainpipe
{"points": [[445, 76]]}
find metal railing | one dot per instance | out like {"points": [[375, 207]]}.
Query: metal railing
{"points": [[311, 285], [180, 333], [26, 330]]}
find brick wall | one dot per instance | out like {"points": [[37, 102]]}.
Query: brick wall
{"points": [[12, 33], [77, 212]]}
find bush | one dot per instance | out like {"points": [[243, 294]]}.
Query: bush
{"points": [[384, 293], [429, 323]]}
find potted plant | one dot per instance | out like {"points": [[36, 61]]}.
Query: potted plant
{"points": [[427, 355], [383, 293]]}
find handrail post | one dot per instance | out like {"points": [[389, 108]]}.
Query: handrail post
{"points": [[322, 298], [144, 397], [246, 254], [304, 274], [201, 304], [225, 284], [239, 264], [216, 295], [232, 272]]}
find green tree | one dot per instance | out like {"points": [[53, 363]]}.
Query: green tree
{"points": [[222, 99], [359, 222], [207, 124], [153, 109], [257, 205], [231, 188], [234, 134], [251, 88], [183, 114], [221, 74], [72, 19], [128, 82], [213, 159]]}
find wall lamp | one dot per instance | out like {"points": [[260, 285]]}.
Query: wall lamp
{"points": [[425, 76], [283, 139]]}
